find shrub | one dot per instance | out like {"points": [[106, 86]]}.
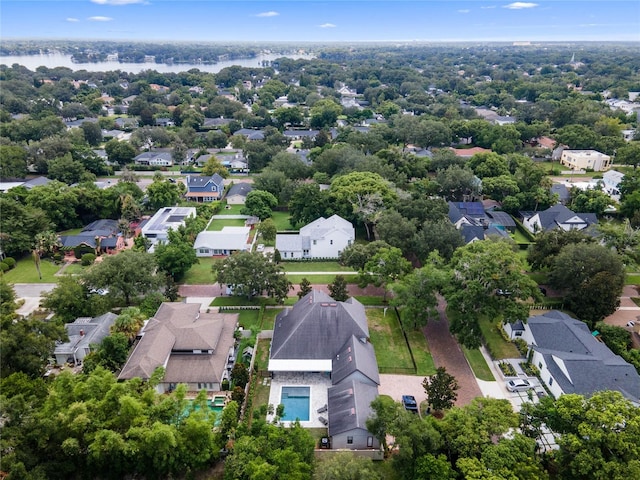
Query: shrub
{"points": [[225, 385], [81, 250], [10, 261], [507, 369], [4, 267], [57, 257], [88, 259], [521, 345]]}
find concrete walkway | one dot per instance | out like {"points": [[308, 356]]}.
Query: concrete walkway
{"points": [[628, 310]]}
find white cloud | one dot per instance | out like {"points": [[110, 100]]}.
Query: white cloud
{"points": [[466, 10], [268, 14], [520, 5], [71, 19], [99, 18], [118, 2], [487, 7], [327, 25]]}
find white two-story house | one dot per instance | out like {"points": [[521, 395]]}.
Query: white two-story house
{"points": [[322, 238]]}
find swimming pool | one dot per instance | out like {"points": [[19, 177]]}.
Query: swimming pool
{"points": [[296, 402], [217, 409]]}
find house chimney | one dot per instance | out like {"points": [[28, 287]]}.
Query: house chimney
{"points": [[82, 333]]}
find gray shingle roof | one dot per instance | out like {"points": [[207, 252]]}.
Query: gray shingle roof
{"points": [[349, 406], [85, 331], [289, 242], [556, 215], [355, 356], [241, 189], [591, 366], [317, 327]]}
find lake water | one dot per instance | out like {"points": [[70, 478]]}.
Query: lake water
{"points": [[54, 60]]}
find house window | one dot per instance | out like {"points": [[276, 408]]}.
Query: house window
{"points": [[204, 250], [518, 334], [330, 242], [539, 364], [315, 242], [349, 440], [550, 381], [369, 442], [284, 254]]}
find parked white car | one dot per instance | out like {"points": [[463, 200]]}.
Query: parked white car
{"points": [[260, 247], [518, 385]]}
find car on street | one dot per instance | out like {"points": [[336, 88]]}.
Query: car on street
{"points": [[409, 403], [518, 385], [260, 247]]}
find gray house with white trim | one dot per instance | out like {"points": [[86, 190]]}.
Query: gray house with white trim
{"points": [[320, 336], [572, 360], [83, 333]]}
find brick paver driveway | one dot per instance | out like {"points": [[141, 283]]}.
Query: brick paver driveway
{"points": [[447, 353]]}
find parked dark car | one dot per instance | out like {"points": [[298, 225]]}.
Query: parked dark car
{"points": [[409, 403]]}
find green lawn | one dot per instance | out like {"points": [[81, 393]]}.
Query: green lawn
{"points": [[387, 339], [200, 273], [325, 279], [238, 301], [248, 319], [478, 364], [269, 317], [219, 224], [73, 231], [314, 267], [281, 219], [498, 347], [539, 277], [25, 272], [75, 269], [420, 350], [231, 210], [372, 300], [632, 279]]}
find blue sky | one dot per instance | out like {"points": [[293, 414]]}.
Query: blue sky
{"points": [[328, 20]]}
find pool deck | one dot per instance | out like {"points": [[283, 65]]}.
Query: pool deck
{"points": [[318, 383]]}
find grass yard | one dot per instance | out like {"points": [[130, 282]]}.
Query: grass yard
{"points": [[241, 301], [314, 267], [200, 273], [498, 347], [269, 317], [218, 224], [540, 277], [632, 279], [281, 219], [325, 279], [248, 319], [25, 272], [73, 231], [231, 210], [391, 349], [75, 269], [520, 237], [372, 300], [420, 349], [478, 364]]}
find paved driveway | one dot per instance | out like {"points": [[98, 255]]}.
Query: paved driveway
{"points": [[446, 352], [397, 385], [31, 293]]}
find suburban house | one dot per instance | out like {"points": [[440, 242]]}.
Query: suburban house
{"points": [[222, 242], [323, 345], [300, 134], [157, 227], [238, 192], [477, 223], [561, 190], [555, 217], [102, 235], [195, 348], [154, 159], [250, 134], [611, 183], [82, 333], [203, 189], [572, 360], [585, 160], [322, 238]]}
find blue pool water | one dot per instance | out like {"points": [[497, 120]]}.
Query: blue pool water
{"points": [[296, 403]]}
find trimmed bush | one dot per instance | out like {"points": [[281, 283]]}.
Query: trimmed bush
{"points": [[10, 261], [4, 267], [81, 250], [57, 257], [88, 259]]}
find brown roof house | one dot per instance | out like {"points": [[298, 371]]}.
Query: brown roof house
{"points": [[195, 348]]}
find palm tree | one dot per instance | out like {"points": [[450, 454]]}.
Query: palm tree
{"points": [[129, 322]]}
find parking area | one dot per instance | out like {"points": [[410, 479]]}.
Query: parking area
{"points": [[396, 386]]}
